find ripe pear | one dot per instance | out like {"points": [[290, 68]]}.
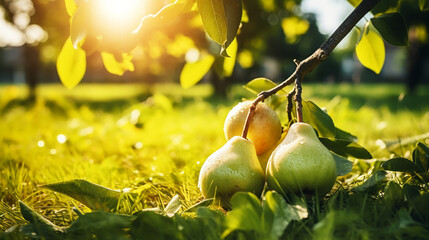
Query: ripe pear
{"points": [[232, 168], [264, 157], [301, 164], [265, 128]]}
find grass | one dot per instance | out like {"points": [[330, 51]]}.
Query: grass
{"points": [[156, 138]]}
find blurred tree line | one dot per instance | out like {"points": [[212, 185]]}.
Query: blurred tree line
{"points": [[272, 35]]}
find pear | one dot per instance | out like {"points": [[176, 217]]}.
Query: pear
{"points": [[301, 164], [265, 128], [264, 157], [232, 168]]}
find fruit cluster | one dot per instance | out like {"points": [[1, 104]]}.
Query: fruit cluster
{"points": [[295, 162]]}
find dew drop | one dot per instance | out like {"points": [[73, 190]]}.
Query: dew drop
{"points": [[61, 138], [40, 143]]}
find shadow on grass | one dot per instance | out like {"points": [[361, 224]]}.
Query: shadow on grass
{"points": [[64, 105], [370, 95], [376, 96]]}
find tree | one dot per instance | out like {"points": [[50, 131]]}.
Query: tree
{"points": [[417, 22], [35, 20], [222, 20]]}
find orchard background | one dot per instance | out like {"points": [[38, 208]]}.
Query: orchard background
{"points": [[114, 152]]}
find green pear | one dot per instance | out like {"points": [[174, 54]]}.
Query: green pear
{"points": [[301, 164], [232, 168], [264, 157]]}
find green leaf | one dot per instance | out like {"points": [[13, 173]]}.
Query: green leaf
{"points": [[71, 64], [421, 157], [343, 135], [116, 67], [424, 5], [211, 223], [193, 72], [416, 201], [245, 214], [196, 228], [94, 196], [79, 24], [344, 166], [39, 225], [70, 7], [373, 182], [421, 205], [406, 221], [335, 221], [261, 84], [392, 28], [149, 225], [411, 192], [354, 3], [214, 19], [370, 50], [385, 6], [233, 12], [346, 148], [393, 194], [277, 214], [173, 206], [100, 225], [399, 165], [229, 62], [317, 118]]}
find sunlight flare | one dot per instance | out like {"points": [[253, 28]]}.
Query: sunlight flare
{"points": [[119, 14]]}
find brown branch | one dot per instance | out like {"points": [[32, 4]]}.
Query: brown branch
{"points": [[308, 64], [290, 104], [298, 98]]}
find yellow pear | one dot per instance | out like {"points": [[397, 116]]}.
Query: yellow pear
{"points": [[301, 164], [232, 168], [263, 157], [265, 128]]}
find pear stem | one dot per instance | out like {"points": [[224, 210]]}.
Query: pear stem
{"points": [[250, 115], [308, 64], [290, 104], [298, 99]]}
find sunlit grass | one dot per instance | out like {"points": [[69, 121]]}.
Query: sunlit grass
{"points": [[131, 136]]}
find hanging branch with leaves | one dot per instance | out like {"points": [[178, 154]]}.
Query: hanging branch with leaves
{"points": [[308, 64], [222, 21]]}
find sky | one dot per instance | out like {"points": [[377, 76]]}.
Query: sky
{"points": [[329, 13]]}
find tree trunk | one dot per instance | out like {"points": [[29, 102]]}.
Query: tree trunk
{"points": [[32, 66], [416, 57], [219, 84]]}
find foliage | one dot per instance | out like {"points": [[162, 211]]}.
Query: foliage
{"points": [[71, 64], [370, 49], [222, 21]]}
